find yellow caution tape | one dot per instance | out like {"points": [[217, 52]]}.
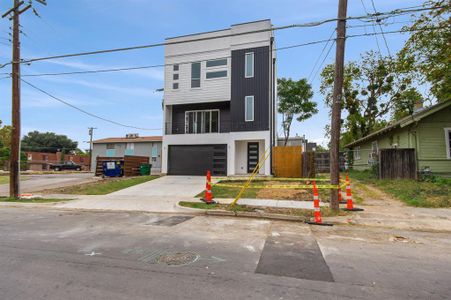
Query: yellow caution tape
{"points": [[305, 186]]}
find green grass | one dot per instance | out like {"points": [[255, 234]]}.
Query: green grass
{"points": [[435, 193], [104, 186], [4, 179], [33, 200]]}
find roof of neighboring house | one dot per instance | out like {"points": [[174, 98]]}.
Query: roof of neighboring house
{"points": [[417, 116], [141, 139]]}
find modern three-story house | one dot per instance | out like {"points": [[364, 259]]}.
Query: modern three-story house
{"points": [[219, 101]]}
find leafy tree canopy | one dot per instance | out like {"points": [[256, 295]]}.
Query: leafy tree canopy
{"points": [[47, 142], [372, 88], [5, 135], [427, 52], [294, 102]]}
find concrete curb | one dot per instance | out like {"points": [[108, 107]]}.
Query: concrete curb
{"points": [[255, 215]]}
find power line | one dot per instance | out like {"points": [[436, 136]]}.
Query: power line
{"points": [[319, 57], [166, 43], [322, 63], [380, 27], [188, 62], [374, 28], [84, 111]]}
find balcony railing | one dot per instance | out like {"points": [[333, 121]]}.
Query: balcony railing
{"points": [[222, 127]]}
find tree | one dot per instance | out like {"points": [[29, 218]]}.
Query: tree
{"points": [[294, 102], [371, 88], [5, 135], [47, 142], [427, 52]]}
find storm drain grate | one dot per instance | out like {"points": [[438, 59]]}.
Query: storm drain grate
{"points": [[170, 221], [178, 259]]}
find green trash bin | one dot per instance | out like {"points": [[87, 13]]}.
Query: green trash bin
{"points": [[144, 169]]}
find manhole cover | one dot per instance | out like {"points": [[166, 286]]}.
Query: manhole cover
{"points": [[178, 259]]}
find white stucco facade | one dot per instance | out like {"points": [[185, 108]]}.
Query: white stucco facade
{"points": [[236, 148]]}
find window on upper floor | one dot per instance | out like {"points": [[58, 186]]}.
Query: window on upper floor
{"points": [[175, 76], [110, 146], [249, 65], [195, 75], [216, 74], [448, 142], [175, 86], [249, 108], [202, 121], [216, 63], [175, 67]]}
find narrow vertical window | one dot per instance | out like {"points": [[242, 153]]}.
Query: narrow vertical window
{"points": [[249, 108], [195, 75], [448, 142], [175, 67], [249, 65]]}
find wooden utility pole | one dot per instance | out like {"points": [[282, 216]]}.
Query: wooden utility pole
{"points": [[91, 131], [336, 105], [14, 167]]}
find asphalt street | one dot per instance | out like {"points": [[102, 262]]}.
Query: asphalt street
{"points": [[56, 254], [36, 183]]}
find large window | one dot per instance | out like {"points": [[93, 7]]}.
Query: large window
{"points": [[217, 63], [448, 142], [216, 74], [195, 75], [357, 153], [249, 65], [202, 121], [249, 108]]}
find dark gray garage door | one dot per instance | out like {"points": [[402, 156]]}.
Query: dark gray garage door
{"points": [[197, 159]]}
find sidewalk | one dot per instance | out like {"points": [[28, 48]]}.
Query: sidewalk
{"points": [[383, 211]]}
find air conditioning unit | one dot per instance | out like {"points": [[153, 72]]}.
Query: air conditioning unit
{"points": [[131, 135]]}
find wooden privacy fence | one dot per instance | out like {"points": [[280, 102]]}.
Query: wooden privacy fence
{"points": [[397, 164], [308, 164], [287, 161], [130, 164]]}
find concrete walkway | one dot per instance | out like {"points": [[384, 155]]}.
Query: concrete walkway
{"points": [[167, 186]]}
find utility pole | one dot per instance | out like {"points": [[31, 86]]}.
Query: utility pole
{"points": [[336, 105], [91, 131], [14, 169]]}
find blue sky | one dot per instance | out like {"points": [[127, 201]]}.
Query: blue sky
{"points": [[128, 97]]}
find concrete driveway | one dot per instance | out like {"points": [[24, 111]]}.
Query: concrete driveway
{"points": [[175, 186], [37, 183]]}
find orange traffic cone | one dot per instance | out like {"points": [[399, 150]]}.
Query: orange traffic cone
{"points": [[317, 212], [349, 204], [208, 193]]}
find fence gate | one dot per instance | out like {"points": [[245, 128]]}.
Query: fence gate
{"points": [[287, 161], [397, 164]]}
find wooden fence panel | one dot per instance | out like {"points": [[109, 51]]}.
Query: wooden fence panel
{"points": [[308, 164], [397, 164], [132, 163], [287, 161]]}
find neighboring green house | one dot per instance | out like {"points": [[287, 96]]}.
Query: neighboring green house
{"points": [[428, 131]]}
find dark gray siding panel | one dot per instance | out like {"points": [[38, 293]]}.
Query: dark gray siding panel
{"points": [[258, 86], [197, 159], [178, 115]]}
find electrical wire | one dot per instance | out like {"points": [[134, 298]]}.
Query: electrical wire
{"points": [[167, 43], [84, 111], [197, 60], [320, 55], [324, 60], [382, 31], [374, 28]]}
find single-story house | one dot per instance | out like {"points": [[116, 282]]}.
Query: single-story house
{"points": [[41, 161], [427, 130], [131, 144]]}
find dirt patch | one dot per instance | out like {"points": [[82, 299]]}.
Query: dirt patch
{"points": [[284, 194]]}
